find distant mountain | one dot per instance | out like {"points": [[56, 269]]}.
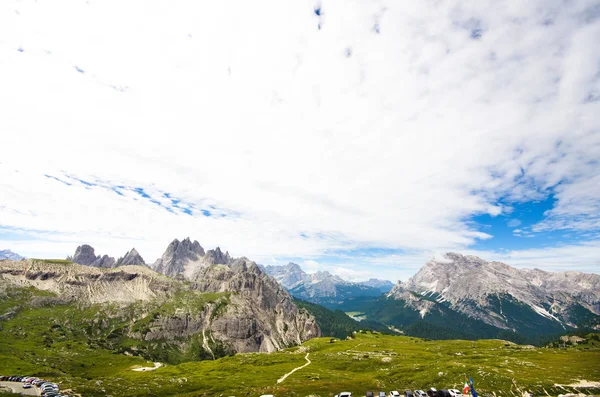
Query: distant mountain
{"points": [[477, 298], [131, 258], [383, 285], [184, 258], [85, 255], [323, 287], [8, 254]]}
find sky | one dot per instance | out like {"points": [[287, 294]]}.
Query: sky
{"points": [[359, 137]]}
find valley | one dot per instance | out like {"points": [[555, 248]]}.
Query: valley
{"points": [[215, 325], [368, 361]]}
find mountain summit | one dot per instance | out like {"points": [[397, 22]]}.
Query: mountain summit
{"points": [[184, 258], [494, 293], [131, 258], [85, 255]]}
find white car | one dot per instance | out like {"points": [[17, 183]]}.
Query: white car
{"points": [[344, 394], [455, 393], [26, 386], [394, 393]]}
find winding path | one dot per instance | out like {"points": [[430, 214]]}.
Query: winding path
{"points": [[295, 369]]}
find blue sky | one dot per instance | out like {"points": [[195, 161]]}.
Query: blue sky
{"points": [[363, 138]]}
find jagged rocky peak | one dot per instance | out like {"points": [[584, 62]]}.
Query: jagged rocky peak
{"points": [[185, 258], [85, 255], [131, 258], [216, 257]]}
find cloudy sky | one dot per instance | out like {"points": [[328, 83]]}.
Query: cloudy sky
{"points": [[360, 137]]}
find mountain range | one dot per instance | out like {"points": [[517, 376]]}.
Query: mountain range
{"points": [[460, 296], [456, 296], [192, 305], [323, 287], [468, 296]]}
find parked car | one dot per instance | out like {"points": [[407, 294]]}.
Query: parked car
{"points": [[26, 386], [455, 392], [344, 394], [432, 392], [408, 393], [382, 394], [443, 393], [419, 393], [394, 393]]}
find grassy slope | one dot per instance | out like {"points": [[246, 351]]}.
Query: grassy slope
{"points": [[355, 365], [69, 345]]}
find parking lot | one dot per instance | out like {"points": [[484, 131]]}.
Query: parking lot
{"points": [[17, 387], [29, 386]]}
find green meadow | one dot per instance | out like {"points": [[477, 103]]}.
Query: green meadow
{"points": [[85, 349]]}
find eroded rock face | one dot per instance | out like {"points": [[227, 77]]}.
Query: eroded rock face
{"points": [[87, 284], [258, 316], [85, 255], [246, 310]]}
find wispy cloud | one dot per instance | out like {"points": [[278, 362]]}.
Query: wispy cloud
{"points": [[296, 129]]}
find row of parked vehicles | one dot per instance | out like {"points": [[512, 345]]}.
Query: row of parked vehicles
{"points": [[47, 388], [433, 392]]}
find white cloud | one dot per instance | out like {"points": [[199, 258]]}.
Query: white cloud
{"points": [[513, 223], [310, 266], [251, 109]]}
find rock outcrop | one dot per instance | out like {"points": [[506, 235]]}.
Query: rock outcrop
{"points": [[131, 258], [87, 284], [259, 316], [85, 255]]}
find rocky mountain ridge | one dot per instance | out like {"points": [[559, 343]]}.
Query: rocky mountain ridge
{"points": [[228, 308], [502, 296]]}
